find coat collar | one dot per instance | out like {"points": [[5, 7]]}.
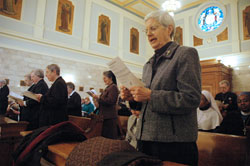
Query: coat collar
{"points": [[168, 54]]}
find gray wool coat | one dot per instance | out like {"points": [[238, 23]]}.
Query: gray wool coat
{"points": [[170, 115]]}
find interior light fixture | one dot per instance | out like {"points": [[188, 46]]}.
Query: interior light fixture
{"points": [[171, 6]]}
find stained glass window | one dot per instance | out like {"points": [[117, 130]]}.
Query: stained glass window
{"points": [[210, 19]]}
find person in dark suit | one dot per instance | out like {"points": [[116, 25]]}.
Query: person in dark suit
{"points": [[167, 126], [16, 110], [54, 102], [24, 111], [4, 92], [228, 99], [107, 106], [39, 87], [74, 106], [235, 122]]}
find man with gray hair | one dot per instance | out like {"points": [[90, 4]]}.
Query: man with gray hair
{"points": [[4, 92], [33, 107], [228, 99], [54, 102]]}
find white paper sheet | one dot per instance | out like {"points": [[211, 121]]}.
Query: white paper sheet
{"points": [[123, 74], [15, 96]]}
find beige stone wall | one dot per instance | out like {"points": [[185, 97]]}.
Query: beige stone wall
{"points": [[241, 78], [14, 64]]}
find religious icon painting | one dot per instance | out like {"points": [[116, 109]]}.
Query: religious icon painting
{"points": [[178, 38], [65, 14], [246, 23], [134, 41], [11, 8], [103, 30]]}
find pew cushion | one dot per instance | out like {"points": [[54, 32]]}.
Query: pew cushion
{"points": [[91, 151]]}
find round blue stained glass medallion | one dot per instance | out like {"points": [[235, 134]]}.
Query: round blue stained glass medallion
{"points": [[210, 19]]}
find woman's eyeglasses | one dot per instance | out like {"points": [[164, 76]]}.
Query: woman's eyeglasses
{"points": [[151, 29]]}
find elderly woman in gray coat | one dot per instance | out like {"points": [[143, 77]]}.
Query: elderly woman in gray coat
{"points": [[167, 126]]}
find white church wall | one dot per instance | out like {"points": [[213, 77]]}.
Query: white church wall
{"points": [[15, 64], [41, 29], [35, 36]]}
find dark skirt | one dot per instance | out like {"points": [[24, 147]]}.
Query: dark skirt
{"points": [[110, 128], [179, 152]]}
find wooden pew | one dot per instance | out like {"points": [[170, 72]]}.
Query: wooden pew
{"points": [[9, 138], [221, 149], [214, 149], [58, 153], [92, 126]]}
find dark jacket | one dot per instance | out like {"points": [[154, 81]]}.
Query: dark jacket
{"points": [[74, 105], [107, 102], [25, 111], [170, 115], [34, 107], [233, 124], [54, 104], [228, 98], [4, 92]]}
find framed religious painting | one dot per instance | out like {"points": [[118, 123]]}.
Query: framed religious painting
{"points": [[178, 37], [11, 8], [103, 30], [65, 14], [134, 40], [246, 23]]}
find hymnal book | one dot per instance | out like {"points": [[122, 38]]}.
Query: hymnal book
{"points": [[15, 96], [123, 74], [30, 95]]}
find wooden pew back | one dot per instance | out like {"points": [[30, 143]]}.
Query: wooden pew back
{"points": [[92, 126], [220, 149], [9, 138], [81, 122]]}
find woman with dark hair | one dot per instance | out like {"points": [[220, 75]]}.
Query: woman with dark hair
{"points": [[107, 106]]}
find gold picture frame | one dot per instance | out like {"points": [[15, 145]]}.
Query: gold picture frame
{"points": [[178, 37], [103, 36], [65, 17], [11, 8], [223, 35], [134, 40], [197, 41], [246, 23]]}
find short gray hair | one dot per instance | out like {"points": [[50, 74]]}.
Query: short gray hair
{"points": [[3, 81], [224, 82], [164, 18], [54, 67], [39, 73]]}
